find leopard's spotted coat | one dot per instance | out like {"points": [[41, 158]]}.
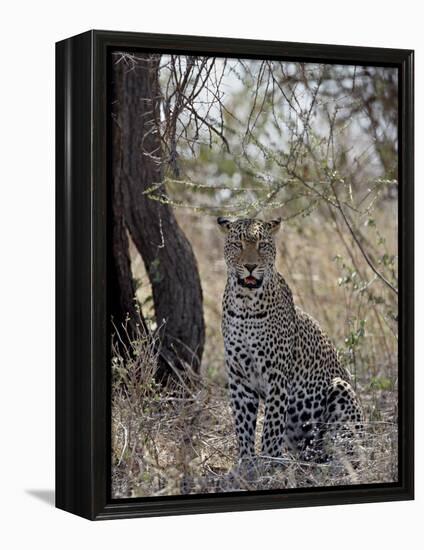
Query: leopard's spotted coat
{"points": [[276, 352]]}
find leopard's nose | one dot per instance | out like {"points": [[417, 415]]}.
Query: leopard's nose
{"points": [[250, 267]]}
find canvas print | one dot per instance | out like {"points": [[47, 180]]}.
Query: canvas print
{"points": [[253, 274]]}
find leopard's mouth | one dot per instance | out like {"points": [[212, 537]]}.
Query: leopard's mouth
{"points": [[250, 282]]}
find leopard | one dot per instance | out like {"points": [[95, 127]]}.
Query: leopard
{"points": [[277, 354]]}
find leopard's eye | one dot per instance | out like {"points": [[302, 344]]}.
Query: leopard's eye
{"points": [[236, 245], [262, 245]]}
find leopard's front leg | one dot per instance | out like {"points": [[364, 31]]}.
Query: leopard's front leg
{"points": [[244, 404], [275, 418]]}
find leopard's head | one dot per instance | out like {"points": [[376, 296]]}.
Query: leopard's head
{"points": [[249, 249]]}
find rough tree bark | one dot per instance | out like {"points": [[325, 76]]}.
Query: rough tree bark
{"points": [[165, 250], [122, 289]]}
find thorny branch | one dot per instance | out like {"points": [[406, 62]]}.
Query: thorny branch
{"points": [[275, 136]]}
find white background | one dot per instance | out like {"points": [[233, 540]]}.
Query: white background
{"points": [[28, 33]]}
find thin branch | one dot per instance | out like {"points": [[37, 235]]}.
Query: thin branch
{"points": [[359, 245]]}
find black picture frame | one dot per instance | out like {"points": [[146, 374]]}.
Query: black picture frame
{"points": [[82, 367]]}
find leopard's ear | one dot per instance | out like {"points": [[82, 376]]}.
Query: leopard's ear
{"points": [[224, 224], [274, 225]]}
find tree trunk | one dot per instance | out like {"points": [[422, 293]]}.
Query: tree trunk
{"points": [[123, 308], [165, 250]]}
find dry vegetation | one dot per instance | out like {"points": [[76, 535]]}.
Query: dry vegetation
{"points": [[181, 439]]}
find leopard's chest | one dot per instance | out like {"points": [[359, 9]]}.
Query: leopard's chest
{"points": [[246, 351], [247, 322], [259, 318], [254, 342]]}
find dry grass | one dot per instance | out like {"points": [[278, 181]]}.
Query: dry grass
{"points": [[180, 441], [183, 441]]}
